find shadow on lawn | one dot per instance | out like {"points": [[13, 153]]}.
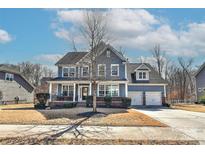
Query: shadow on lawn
{"points": [[77, 113], [50, 136]]}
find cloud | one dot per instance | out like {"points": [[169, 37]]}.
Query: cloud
{"points": [[4, 36], [53, 58], [139, 30]]}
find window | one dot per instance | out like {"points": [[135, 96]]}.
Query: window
{"points": [[108, 53], [65, 72], [114, 70], [143, 75], [108, 90], [65, 90], [69, 72], [71, 89], [101, 70], [101, 90], [85, 71], [9, 77], [68, 90]]}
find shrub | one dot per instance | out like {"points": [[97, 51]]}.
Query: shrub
{"points": [[89, 101], [126, 102], [108, 101], [68, 105], [202, 99], [42, 99]]}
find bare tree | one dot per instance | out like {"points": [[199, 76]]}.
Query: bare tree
{"points": [[159, 55], [94, 30]]}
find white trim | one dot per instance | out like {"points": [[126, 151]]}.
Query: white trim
{"points": [[141, 66], [104, 70], [50, 91], [165, 91], [73, 92], [139, 71], [113, 84], [90, 89], [81, 70], [69, 71], [80, 94], [10, 76], [117, 69], [125, 70], [147, 84], [126, 90]]}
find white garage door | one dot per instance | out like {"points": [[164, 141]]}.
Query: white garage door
{"points": [[136, 98], [153, 98]]}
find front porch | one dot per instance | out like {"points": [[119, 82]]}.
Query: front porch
{"points": [[77, 91]]}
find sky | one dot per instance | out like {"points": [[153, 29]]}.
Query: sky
{"points": [[44, 35]]}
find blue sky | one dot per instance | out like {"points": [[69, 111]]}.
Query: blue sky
{"points": [[43, 35]]}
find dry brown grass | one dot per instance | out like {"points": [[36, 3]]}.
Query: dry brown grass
{"points": [[190, 107], [24, 114]]}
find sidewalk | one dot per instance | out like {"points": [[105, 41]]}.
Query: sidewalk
{"points": [[94, 132]]}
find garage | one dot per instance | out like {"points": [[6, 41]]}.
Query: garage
{"points": [[153, 98], [137, 98]]}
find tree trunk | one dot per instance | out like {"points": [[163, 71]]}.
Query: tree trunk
{"points": [[94, 97]]}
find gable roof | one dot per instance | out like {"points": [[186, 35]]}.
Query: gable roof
{"points": [[142, 66], [104, 47], [200, 69], [6, 69], [71, 58], [154, 77]]}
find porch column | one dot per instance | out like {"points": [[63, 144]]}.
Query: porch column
{"points": [[165, 91], [90, 89], [126, 90], [50, 92], [73, 92]]}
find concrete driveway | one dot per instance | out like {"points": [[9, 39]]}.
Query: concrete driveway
{"points": [[187, 122]]}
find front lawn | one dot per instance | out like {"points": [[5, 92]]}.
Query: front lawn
{"points": [[25, 114], [189, 107]]}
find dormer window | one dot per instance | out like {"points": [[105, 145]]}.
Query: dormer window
{"points": [[142, 75], [9, 77]]}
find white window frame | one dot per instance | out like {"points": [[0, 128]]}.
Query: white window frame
{"points": [[137, 75], [118, 69], [10, 76], [118, 87], [108, 53], [68, 89], [69, 71], [199, 90], [82, 71], [104, 70]]}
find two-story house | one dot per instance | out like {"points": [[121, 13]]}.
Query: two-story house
{"points": [[14, 84], [200, 82], [116, 77]]}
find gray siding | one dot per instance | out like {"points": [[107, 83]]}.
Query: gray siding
{"points": [[122, 90], [113, 59], [60, 71], [145, 88], [18, 87], [200, 83]]}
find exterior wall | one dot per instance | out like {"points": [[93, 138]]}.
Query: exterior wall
{"points": [[113, 59], [17, 87], [145, 88], [60, 71], [122, 90], [200, 83]]}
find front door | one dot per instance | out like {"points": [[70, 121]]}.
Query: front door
{"points": [[84, 93]]}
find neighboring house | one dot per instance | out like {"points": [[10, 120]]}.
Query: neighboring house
{"points": [[116, 78], [13, 84], [200, 82]]}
